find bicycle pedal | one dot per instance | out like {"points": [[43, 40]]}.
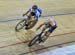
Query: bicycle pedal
{"points": [[26, 24], [44, 40], [40, 40]]}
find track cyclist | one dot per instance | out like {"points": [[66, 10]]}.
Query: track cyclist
{"points": [[34, 13], [49, 23]]}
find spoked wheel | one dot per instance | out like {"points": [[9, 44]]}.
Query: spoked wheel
{"points": [[20, 25], [38, 39], [34, 41]]}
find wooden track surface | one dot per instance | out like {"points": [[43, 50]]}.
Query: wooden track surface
{"points": [[11, 42]]}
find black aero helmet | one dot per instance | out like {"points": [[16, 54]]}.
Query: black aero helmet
{"points": [[34, 7]]}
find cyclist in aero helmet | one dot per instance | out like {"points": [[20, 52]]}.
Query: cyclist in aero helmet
{"points": [[34, 13], [49, 23]]}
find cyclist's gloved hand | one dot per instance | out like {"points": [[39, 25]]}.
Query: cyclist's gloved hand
{"points": [[37, 28], [23, 15]]}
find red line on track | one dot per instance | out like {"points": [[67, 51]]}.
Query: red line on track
{"points": [[28, 41], [47, 47], [63, 34]]}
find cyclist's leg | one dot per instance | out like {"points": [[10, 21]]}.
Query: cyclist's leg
{"points": [[44, 28], [31, 23], [26, 24], [29, 18], [40, 38]]}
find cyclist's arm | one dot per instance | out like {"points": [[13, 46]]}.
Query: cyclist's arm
{"points": [[40, 26], [26, 13]]}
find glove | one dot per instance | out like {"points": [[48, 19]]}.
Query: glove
{"points": [[37, 28], [23, 15]]}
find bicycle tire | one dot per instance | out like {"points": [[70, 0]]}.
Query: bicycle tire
{"points": [[16, 28], [33, 41]]}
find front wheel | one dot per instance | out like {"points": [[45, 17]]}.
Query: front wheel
{"points": [[37, 39], [34, 41], [20, 25]]}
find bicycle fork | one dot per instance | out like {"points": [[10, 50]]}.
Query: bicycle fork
{"points": [[40, 38]]}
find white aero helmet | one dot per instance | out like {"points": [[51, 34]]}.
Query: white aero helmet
{"points": [[47, 21]]}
